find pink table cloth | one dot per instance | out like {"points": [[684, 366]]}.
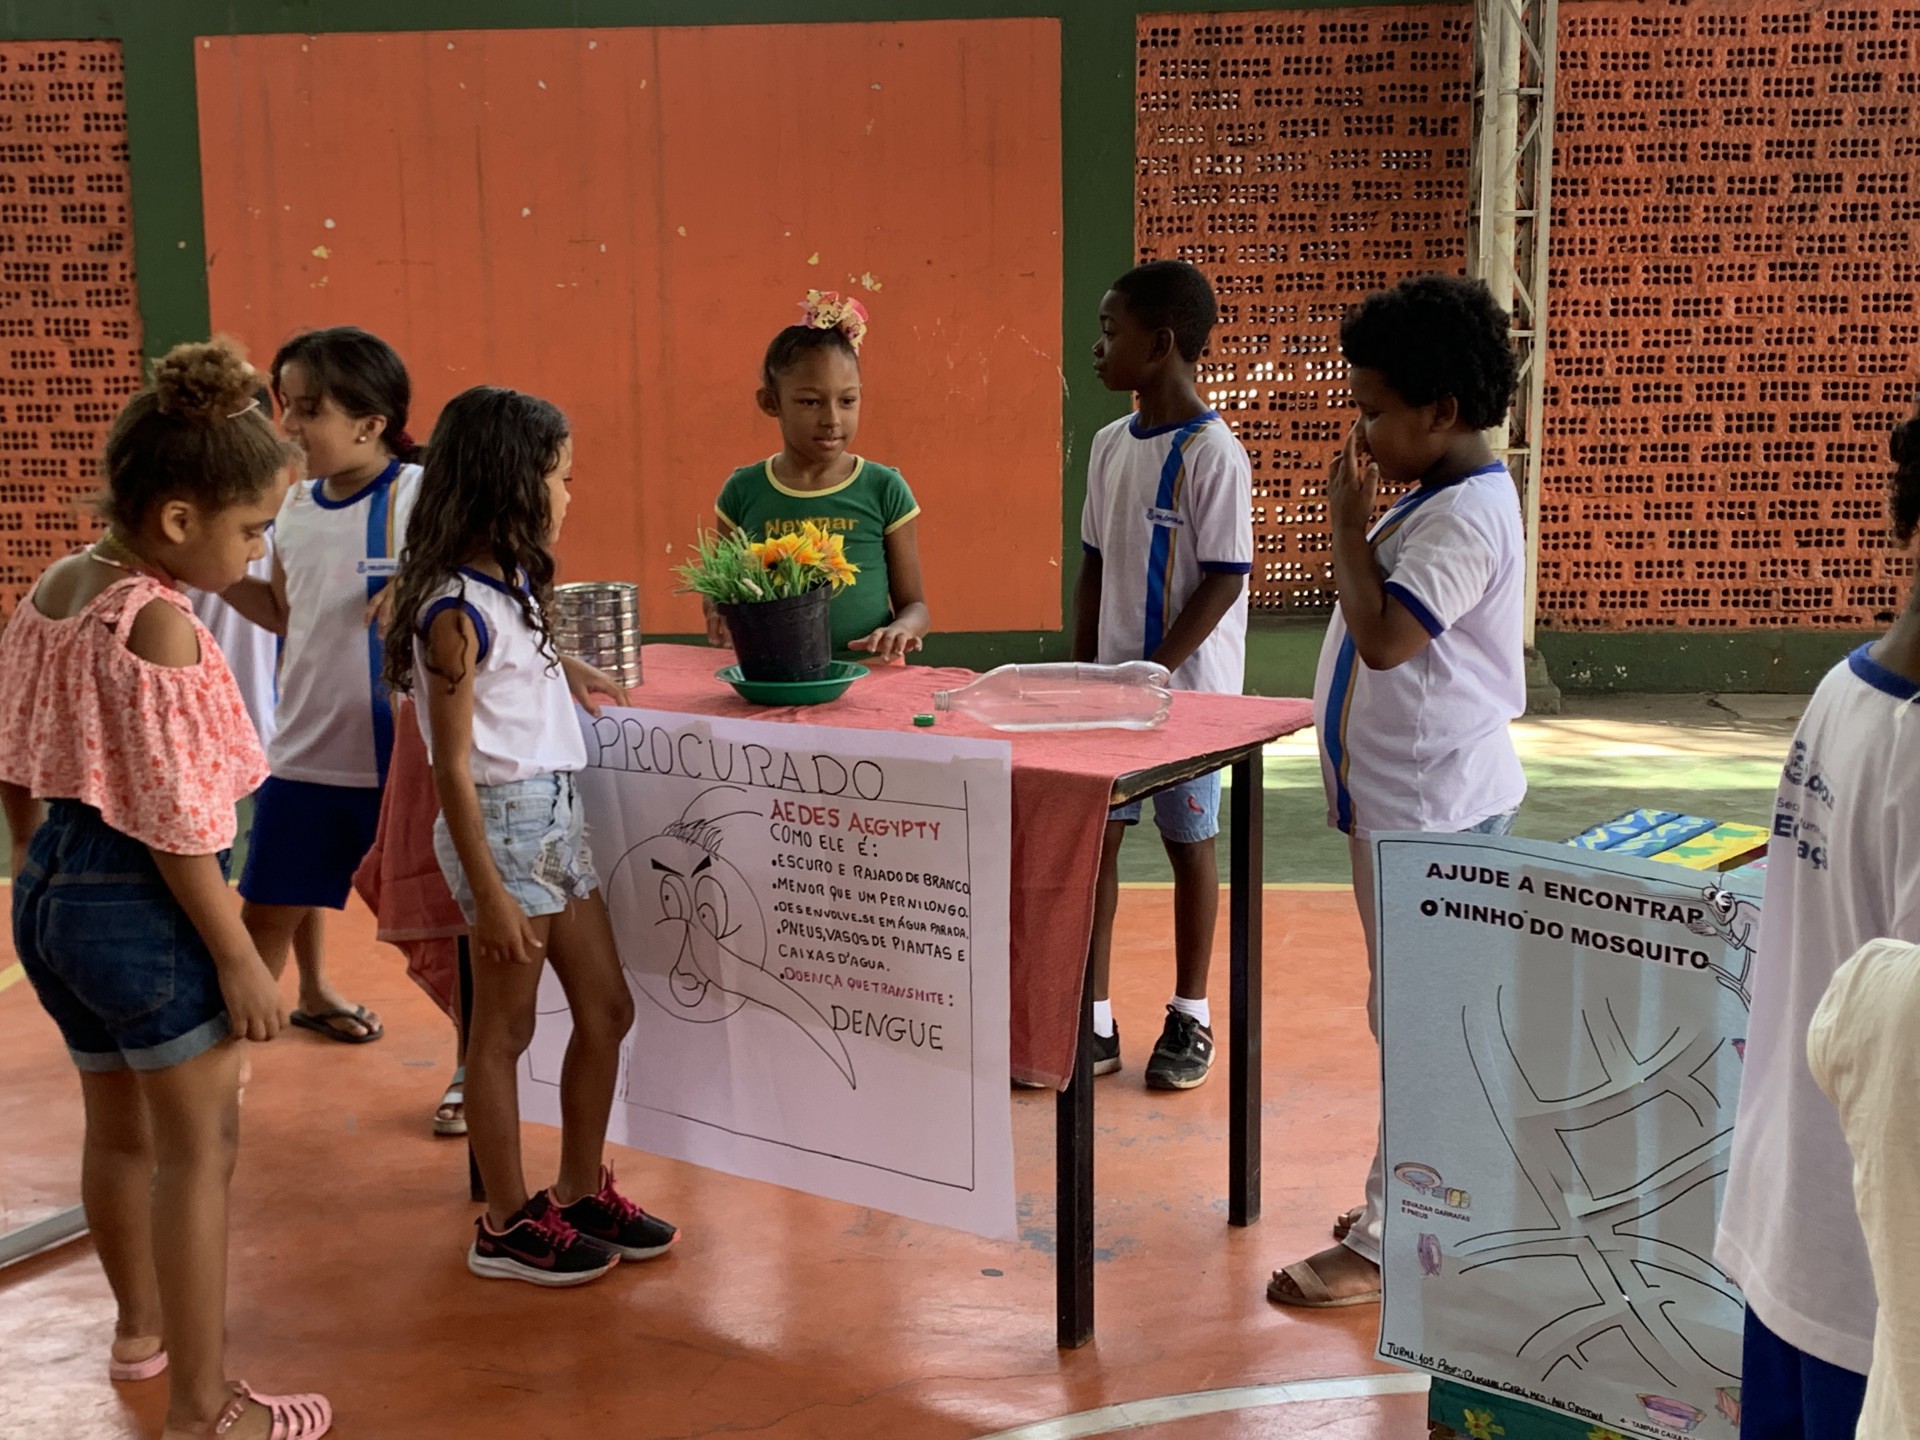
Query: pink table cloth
{"points": [[1063, 784]]}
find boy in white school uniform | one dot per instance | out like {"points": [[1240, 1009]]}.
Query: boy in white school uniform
{"points": [[1168, 539], [1422, 669], [1843, 868]]}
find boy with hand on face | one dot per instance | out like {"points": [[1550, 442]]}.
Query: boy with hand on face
{"points": [[1422, 669]]}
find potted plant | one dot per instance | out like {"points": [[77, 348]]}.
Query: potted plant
{"points": [[774, 595]]}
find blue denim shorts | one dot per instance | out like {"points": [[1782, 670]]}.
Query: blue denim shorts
{"points": [[1186, 814], [1494, 825], [113, 957], [538, 837]]}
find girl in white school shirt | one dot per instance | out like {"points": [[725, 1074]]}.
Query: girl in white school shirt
{"points": [[470, 634], [344, 396]]}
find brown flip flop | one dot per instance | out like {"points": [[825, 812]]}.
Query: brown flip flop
{"points": [[317, 1021]]}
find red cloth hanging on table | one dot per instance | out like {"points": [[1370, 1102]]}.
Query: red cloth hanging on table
{"points": [[1062, 783], [400, 878]]}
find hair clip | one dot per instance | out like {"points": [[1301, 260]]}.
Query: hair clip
{"points": [[253, 404], [827, 310]]}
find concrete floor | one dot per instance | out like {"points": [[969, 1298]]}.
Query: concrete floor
{"points": [[786, 1317]]}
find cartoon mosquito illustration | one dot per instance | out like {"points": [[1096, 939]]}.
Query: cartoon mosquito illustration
{"points": [[680, 882]]}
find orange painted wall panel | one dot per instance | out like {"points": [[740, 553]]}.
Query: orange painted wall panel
{"points": [[621, 219]]}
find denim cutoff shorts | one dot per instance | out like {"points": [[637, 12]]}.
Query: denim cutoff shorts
{"points": [[1186, 814], [115, 960], [538, 837]]}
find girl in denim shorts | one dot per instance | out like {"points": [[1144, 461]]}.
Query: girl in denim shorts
{"points": [[119, 717], [470, 634]]}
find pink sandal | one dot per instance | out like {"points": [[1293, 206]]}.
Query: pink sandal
{"points": [[127, 1372], [289, 1417]]}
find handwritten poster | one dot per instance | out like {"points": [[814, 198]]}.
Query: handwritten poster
{"points": [[1563, 1034], [814, 924]]}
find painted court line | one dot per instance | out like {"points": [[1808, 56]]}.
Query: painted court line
{"points": [[1139, 1414], [10, 977]]}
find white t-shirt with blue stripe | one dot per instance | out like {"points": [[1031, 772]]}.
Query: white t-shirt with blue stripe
{"points": [[334, 721], [1166, 507], [1424, 746]]}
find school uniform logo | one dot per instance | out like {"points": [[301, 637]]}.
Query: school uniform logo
{"points": [[1165, 519]]}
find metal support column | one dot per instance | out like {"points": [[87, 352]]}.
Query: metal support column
{"points": [[1516, 49]]}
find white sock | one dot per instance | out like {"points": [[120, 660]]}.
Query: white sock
{"points": [[1196, 1008], [1103, 1019]]}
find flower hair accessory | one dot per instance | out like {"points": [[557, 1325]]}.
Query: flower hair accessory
{"points": [[827, 310]]}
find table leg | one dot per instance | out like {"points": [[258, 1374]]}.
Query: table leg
{"points": [[1247, 885], [464, 971], [1073, 1181]]}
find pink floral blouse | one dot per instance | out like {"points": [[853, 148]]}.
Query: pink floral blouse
{"points": [[162, 752]]}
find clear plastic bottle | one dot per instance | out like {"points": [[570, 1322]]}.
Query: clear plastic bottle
{"points": [[1065, 696]]}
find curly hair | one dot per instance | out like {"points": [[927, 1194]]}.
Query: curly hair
{"points": [[484, 493], [1433, 336], [196, 431], [360, 373], [1903, 486], [1172, 295]]}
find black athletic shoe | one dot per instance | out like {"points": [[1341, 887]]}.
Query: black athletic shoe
{"points": [[539, 1247], [1184, 1056], [1106, 1059], [610, 1219]]}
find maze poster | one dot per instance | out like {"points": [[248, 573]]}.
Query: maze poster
{"points": [[1563, 1035], [814, 926]]}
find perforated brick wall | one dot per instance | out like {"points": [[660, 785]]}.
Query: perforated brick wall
{"points": [[69, 327], [1732, 313], [1301, 159], [1732, 291]]}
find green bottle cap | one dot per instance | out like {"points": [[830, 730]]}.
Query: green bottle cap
{"points": [[923, 721]]}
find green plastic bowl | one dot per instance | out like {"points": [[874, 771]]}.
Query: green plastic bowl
{"points": [[794, 692]]}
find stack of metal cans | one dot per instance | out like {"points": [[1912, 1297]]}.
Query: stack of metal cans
{"points": [[598, 621]]}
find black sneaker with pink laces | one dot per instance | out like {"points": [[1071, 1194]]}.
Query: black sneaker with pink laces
{"points": [[608, 1218], [539, 1247]]}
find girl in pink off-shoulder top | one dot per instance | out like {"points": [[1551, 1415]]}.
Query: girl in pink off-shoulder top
{"points": [[124, 747]]}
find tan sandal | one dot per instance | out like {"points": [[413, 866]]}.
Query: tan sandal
{"points": [[1343, 1224], [1314, 1294]]}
